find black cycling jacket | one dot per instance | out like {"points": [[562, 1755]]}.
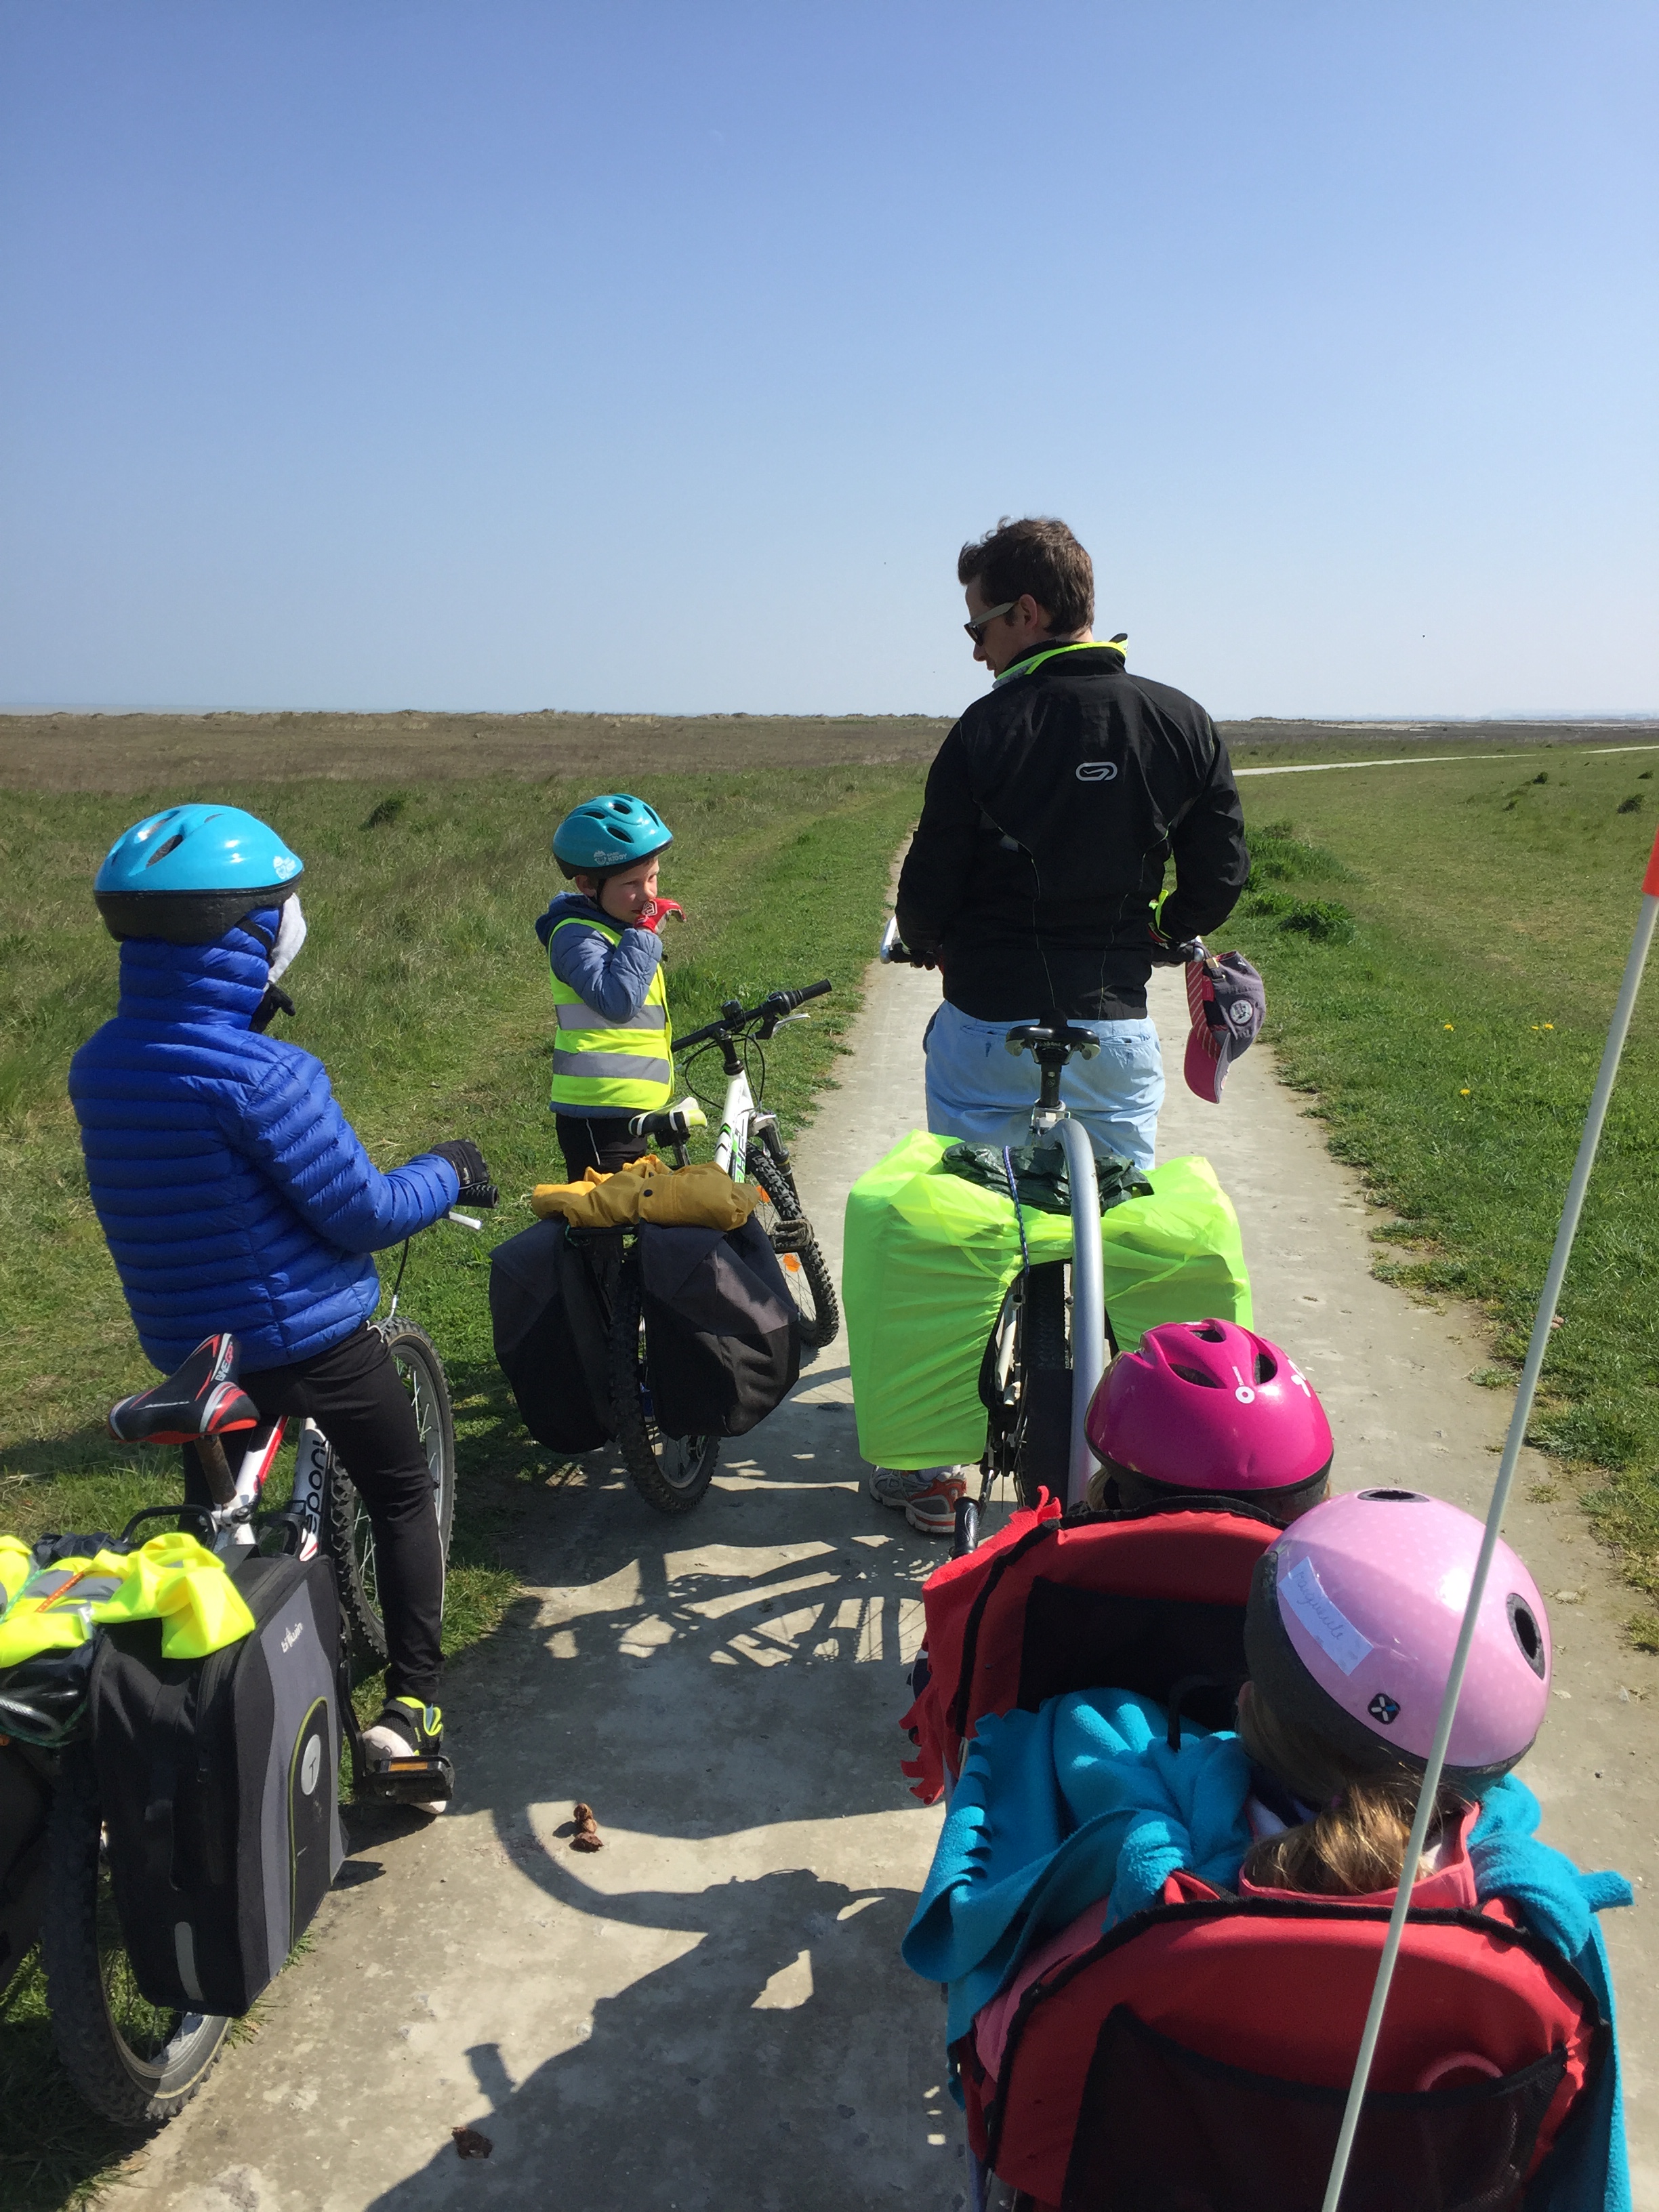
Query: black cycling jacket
{"points": [[1051, 809]]}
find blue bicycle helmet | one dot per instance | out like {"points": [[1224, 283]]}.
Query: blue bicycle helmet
{"points": [[615, 830], [190, 873]]}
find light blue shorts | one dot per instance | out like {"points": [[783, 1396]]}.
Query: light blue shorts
{"points": [[978, 1091]]}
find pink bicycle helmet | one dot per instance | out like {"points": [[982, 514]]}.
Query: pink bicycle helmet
{"points": [[1207, 1406], [1352, 1619]]}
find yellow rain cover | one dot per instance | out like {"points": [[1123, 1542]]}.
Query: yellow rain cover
{"points": [[930, 1256], [172, 1578]]}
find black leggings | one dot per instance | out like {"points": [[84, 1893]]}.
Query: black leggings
{"points": [[353, 1393], [602, 1142]]}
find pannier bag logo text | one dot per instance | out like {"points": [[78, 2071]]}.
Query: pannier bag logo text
{"points": [[1095, 771]]}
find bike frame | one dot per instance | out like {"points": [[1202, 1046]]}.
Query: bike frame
{"points": [[741, 1115], [233, 1524], [1088, 1288]]}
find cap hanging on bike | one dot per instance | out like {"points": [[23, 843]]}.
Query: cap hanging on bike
{"points": [[1353, 1617], [614, 831], [1208, 1406], [188, 874]]}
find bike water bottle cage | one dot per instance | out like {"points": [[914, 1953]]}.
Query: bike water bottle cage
{"points": [[201, 1399]]}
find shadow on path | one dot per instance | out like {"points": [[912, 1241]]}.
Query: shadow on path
{"points": [[742, 2072]]}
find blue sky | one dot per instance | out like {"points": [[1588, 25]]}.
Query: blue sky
{"points": [[660, 357]]}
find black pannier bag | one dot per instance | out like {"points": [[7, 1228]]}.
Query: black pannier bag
{"points": [[721, 1331], [219, 1779], [551, 1337], [24, 1801]]}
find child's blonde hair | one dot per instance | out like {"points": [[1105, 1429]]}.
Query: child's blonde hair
{"points": [[1357, 1842]]}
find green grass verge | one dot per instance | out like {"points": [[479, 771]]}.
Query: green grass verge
{"points": [[423, 989], [1442, 947]]}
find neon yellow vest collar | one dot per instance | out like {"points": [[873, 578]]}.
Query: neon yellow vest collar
{"points": [[1034, 661]]}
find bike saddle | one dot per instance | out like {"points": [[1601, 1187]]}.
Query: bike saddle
{"points": [[201, 1399], [1056, 1040]]}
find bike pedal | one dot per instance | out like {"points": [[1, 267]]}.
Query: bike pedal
{"points": [[409, 1781], [789, 1236]]}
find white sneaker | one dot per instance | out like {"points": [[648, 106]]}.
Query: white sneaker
{"points": [[925, 1495]]}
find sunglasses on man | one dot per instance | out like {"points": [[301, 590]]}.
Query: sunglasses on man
{"points": [[977, 629]]}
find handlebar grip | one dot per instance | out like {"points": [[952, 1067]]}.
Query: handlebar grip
{"points": [[812, 991]]}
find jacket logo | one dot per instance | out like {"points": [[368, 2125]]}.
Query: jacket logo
{"points": [[291, 1636], [1095, 771]]}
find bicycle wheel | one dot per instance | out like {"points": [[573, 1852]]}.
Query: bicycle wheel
{"points": [[136, 2063], [791, 1235], [670, 1473], [348, 1534], [1044, 1436]]}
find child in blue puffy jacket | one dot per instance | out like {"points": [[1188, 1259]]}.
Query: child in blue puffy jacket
{"points": [[236, 1197]]}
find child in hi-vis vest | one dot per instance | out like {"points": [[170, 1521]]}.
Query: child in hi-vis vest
{"points": [[612, 1056]]}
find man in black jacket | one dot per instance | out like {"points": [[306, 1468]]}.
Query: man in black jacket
{"points": [[1036, 878]]}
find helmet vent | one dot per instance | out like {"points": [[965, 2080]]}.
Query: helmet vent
{"points": [[1528, 1634], [1211, 1331], [1194, 1374], [1395, 1496], [161, 851], [1266, 1367]]}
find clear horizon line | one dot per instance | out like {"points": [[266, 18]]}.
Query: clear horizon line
{"points": [[1612, 717]]}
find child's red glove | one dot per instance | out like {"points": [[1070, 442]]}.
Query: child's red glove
{"points": [[652, 915]]}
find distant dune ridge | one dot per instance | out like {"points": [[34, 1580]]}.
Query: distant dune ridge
{"points": [[79, 751]]}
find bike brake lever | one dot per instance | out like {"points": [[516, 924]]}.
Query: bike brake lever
{"points": [[466, 1220]]}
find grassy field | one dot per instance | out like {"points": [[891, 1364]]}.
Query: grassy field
{"points": [[423, 989], [1442, 945]]}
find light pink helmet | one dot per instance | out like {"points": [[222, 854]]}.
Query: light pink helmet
{"points": [[1207, 1406], [1353, 1617]]}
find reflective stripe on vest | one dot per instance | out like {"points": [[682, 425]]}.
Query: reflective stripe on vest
{"points": [[171, 1579], [620, 1067]]}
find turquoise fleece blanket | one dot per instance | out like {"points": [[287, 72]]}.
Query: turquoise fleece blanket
{"points": [[1084, 1799]]}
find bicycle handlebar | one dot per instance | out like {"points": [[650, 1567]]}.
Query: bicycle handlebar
{"points": [[735, 1016]]}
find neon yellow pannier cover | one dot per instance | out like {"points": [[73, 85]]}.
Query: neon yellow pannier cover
{"points": [[171, 1579], [930, 1256]]}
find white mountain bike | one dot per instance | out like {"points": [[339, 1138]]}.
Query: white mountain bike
{"points": [[672, 1473]]}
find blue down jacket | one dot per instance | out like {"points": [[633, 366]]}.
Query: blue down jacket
{"points": [[232, 1191]]}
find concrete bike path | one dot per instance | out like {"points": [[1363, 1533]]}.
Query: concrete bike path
{"points": [[711, 2012]]}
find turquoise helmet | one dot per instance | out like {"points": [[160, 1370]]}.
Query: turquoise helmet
{"points": [[615, 830], [189, 874]]}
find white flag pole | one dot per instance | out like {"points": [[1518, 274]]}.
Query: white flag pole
{"points": [[1500, 1497]]}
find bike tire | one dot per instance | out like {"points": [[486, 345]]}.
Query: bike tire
{"points": [[670, 1473], [348, 1535], [1045, 1441], [136, 2063], [790, 1233]]}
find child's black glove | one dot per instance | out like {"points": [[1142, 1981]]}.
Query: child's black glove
{"points": [[468, 1161]]}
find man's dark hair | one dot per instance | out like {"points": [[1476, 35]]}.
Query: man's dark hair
{"points": [[1037, 554]]}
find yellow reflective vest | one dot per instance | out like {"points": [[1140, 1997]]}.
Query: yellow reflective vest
{"points": [[172, 1578], [620, 1067]]}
